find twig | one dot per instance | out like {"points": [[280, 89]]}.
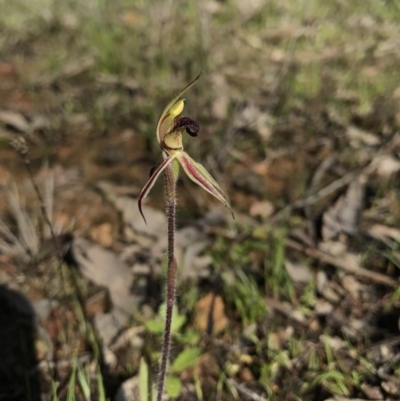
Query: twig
{"points": [[309, 200], [343, 263], [339, 183]]}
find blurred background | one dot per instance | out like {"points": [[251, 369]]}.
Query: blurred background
{"points": [[299, 113]]}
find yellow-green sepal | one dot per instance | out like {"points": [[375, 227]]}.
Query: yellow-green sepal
{"points": [[175, 106]]}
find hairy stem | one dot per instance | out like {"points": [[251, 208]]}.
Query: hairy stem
{"points": [[170, 191]]}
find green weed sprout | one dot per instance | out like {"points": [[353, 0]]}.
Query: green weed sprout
{"points": [[169, 135]]}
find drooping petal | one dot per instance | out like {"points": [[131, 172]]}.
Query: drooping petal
{"points": [[146, 189], [173, 109], [199, 175]]}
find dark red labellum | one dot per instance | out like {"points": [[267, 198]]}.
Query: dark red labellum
{"points": [[190, 126]]}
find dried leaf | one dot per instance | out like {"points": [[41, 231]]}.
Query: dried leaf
{"points": [[372, 392], [387, 166], [381, 231], [15, 120], [298, 272], [344, 215], [359, 137], [339, 398], [97, 303], [262, 209], [104, 268], [129, 390], [127, 205], [102, 234], [210, 313]]}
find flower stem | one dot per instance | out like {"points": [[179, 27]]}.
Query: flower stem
{"points": [[170, 192]]}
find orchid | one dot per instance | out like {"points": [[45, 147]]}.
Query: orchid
{"points": [[169, 135], [170, 127]]}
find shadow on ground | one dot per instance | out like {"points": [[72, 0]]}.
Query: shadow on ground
{"points": [[19, 376]]}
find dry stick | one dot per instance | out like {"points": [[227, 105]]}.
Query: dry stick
{"points": [[309, 200], [170, 194], [341, 182], [343, 263]]}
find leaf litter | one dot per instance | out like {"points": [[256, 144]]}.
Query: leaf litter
{"points": [[339, 319]]}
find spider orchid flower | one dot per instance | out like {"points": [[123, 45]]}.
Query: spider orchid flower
{"points": [[169, 135]]}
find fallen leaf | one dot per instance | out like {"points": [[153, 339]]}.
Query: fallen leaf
{"points": [[351, 285], [381, 231], [102, 234], [129, 390], [325, 289], [262, 209], [339, 398], [246, 375], [372, 392], [104, 268], [193, 265], [358, 137], [323, 307], [15, 120], [387, 166], [156, 219], [97, 303], [344, 215], [210, 314], [298, 272], [43, 308], [391, 387]]}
